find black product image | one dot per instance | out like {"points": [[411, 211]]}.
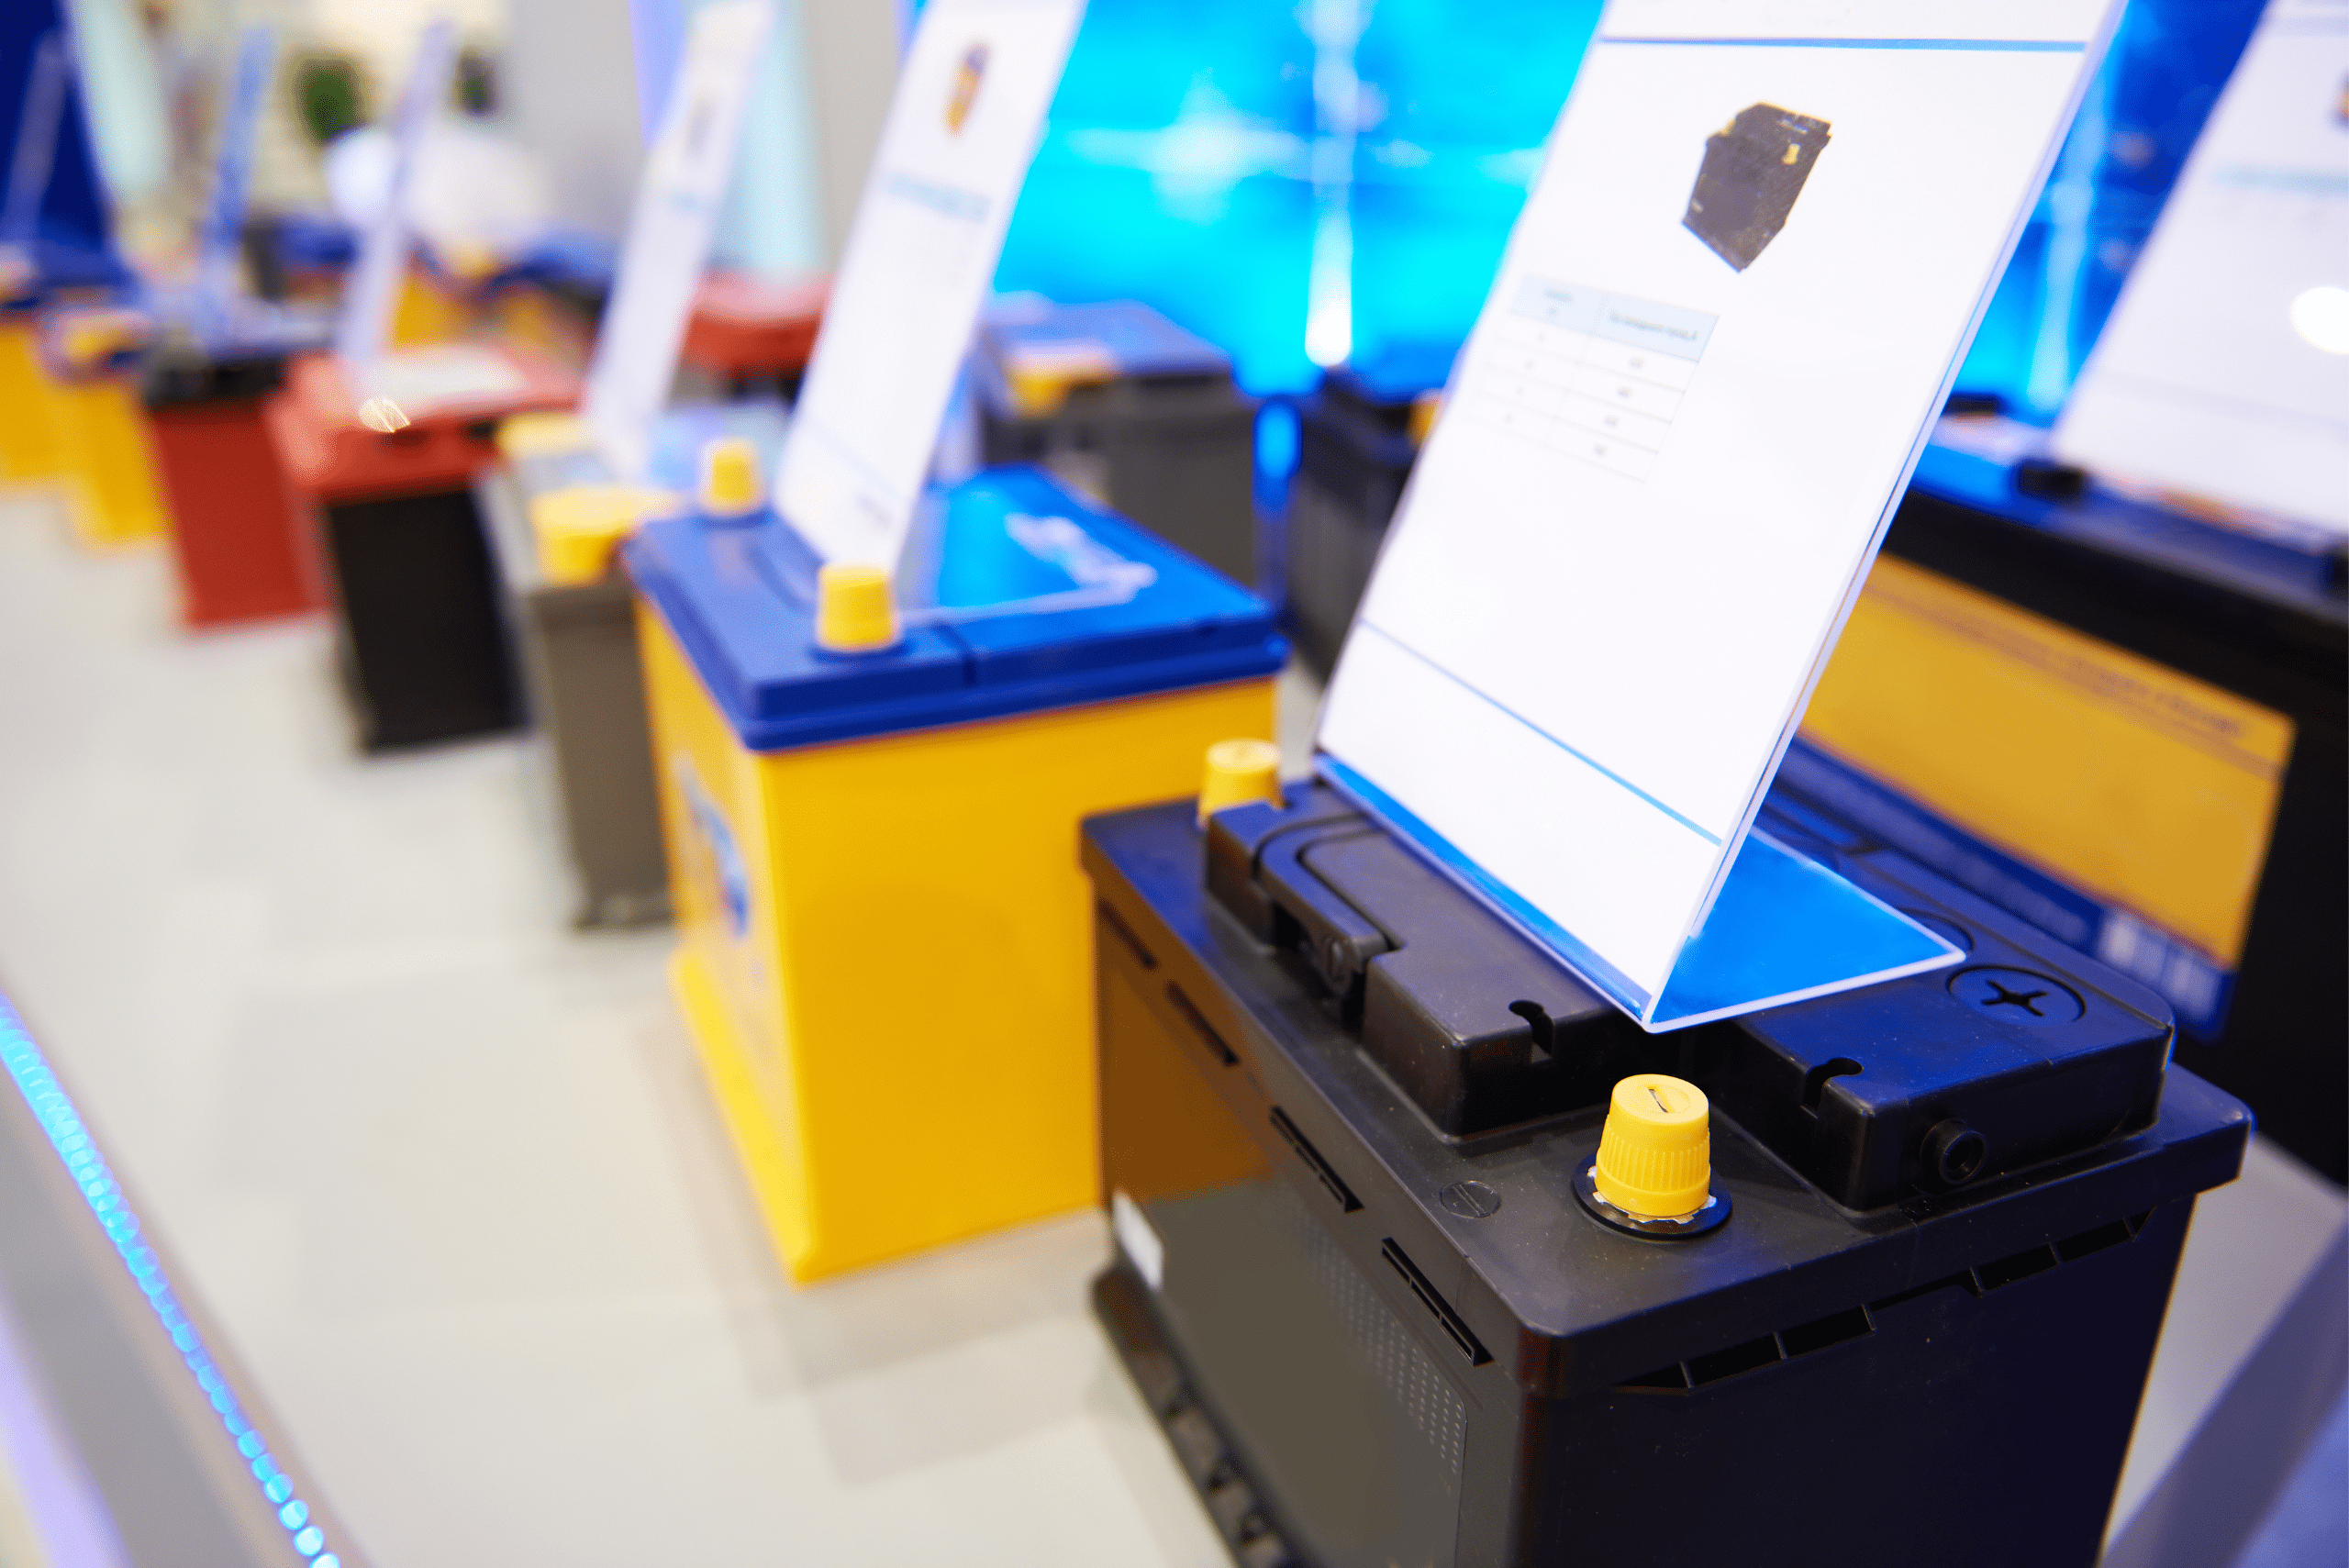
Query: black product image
{"points": [[1754, 168], [1343, 1111]]}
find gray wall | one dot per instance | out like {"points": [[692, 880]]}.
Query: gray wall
{"points": [[852, 66], [569, 76]]}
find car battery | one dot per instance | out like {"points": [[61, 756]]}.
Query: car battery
{"points": [[293, 255], [1056, 660], [551, 298], [560, 517], [242, 545], [1357, 439], [91, 355], [422, 638], [544, 294], [1133, 411], [1367, 1279], [751, 336], [2166, 779], [32, 445]]}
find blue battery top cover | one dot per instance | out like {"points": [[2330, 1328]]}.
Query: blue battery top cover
{"points": [[1016, 596]]}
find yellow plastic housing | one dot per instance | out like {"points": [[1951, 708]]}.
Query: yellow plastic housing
{"points": [[429, 311], [1042, 375], [112, 491], [885, 952], [1655, 1157], [32, 446], [87, 437], [2138, 785]]}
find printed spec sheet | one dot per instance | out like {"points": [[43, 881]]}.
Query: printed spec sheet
{"points": [[962, 128], [686, 173], [2224, 373], [1761, 241]]}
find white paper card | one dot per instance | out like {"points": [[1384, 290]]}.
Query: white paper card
{"points": [[374, 290], [2223, 373], [962, 127], [1731, 307], [686, 174]]}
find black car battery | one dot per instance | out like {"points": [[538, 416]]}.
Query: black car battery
{"points": [[420, 635], [1356, 442], [1129, 408], [2190, 678], [1349, 1123]]}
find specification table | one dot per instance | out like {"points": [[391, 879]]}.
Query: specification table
{"points": [[1591, 375]]}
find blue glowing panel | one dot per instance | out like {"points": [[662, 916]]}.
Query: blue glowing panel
{"points": [[1174, 170], [1299, 197], [1454, 107]]}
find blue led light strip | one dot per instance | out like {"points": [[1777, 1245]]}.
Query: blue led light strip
{"points": [[28, 1069]]}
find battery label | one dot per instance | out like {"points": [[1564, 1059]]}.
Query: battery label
{"points": [[717, 865], [1138, 1238], [2118, 805]]}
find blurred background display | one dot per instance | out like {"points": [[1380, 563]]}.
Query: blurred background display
{"points": [[261, 950], [52, 192], [1456, 104], [1364, 161], [2142, 114], [1176, 170], [1304, 185]]}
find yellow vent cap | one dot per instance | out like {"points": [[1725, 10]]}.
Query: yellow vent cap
{"points": [[580, 527], [730, 478], [1656, 1158], [855, 611], [1238, 772]]}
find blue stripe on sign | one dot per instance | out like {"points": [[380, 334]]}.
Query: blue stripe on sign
{"points": [[1594, 765], [1497, 894]]}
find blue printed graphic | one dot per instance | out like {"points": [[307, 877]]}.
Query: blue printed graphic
{"points": [[716, 837]]}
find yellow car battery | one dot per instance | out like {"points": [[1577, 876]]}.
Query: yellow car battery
{"points": [[35, 284], [93, 357], [839, 825], [32, 448]]}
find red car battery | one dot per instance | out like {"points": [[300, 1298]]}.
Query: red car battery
{"points": [[422, 638]]}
